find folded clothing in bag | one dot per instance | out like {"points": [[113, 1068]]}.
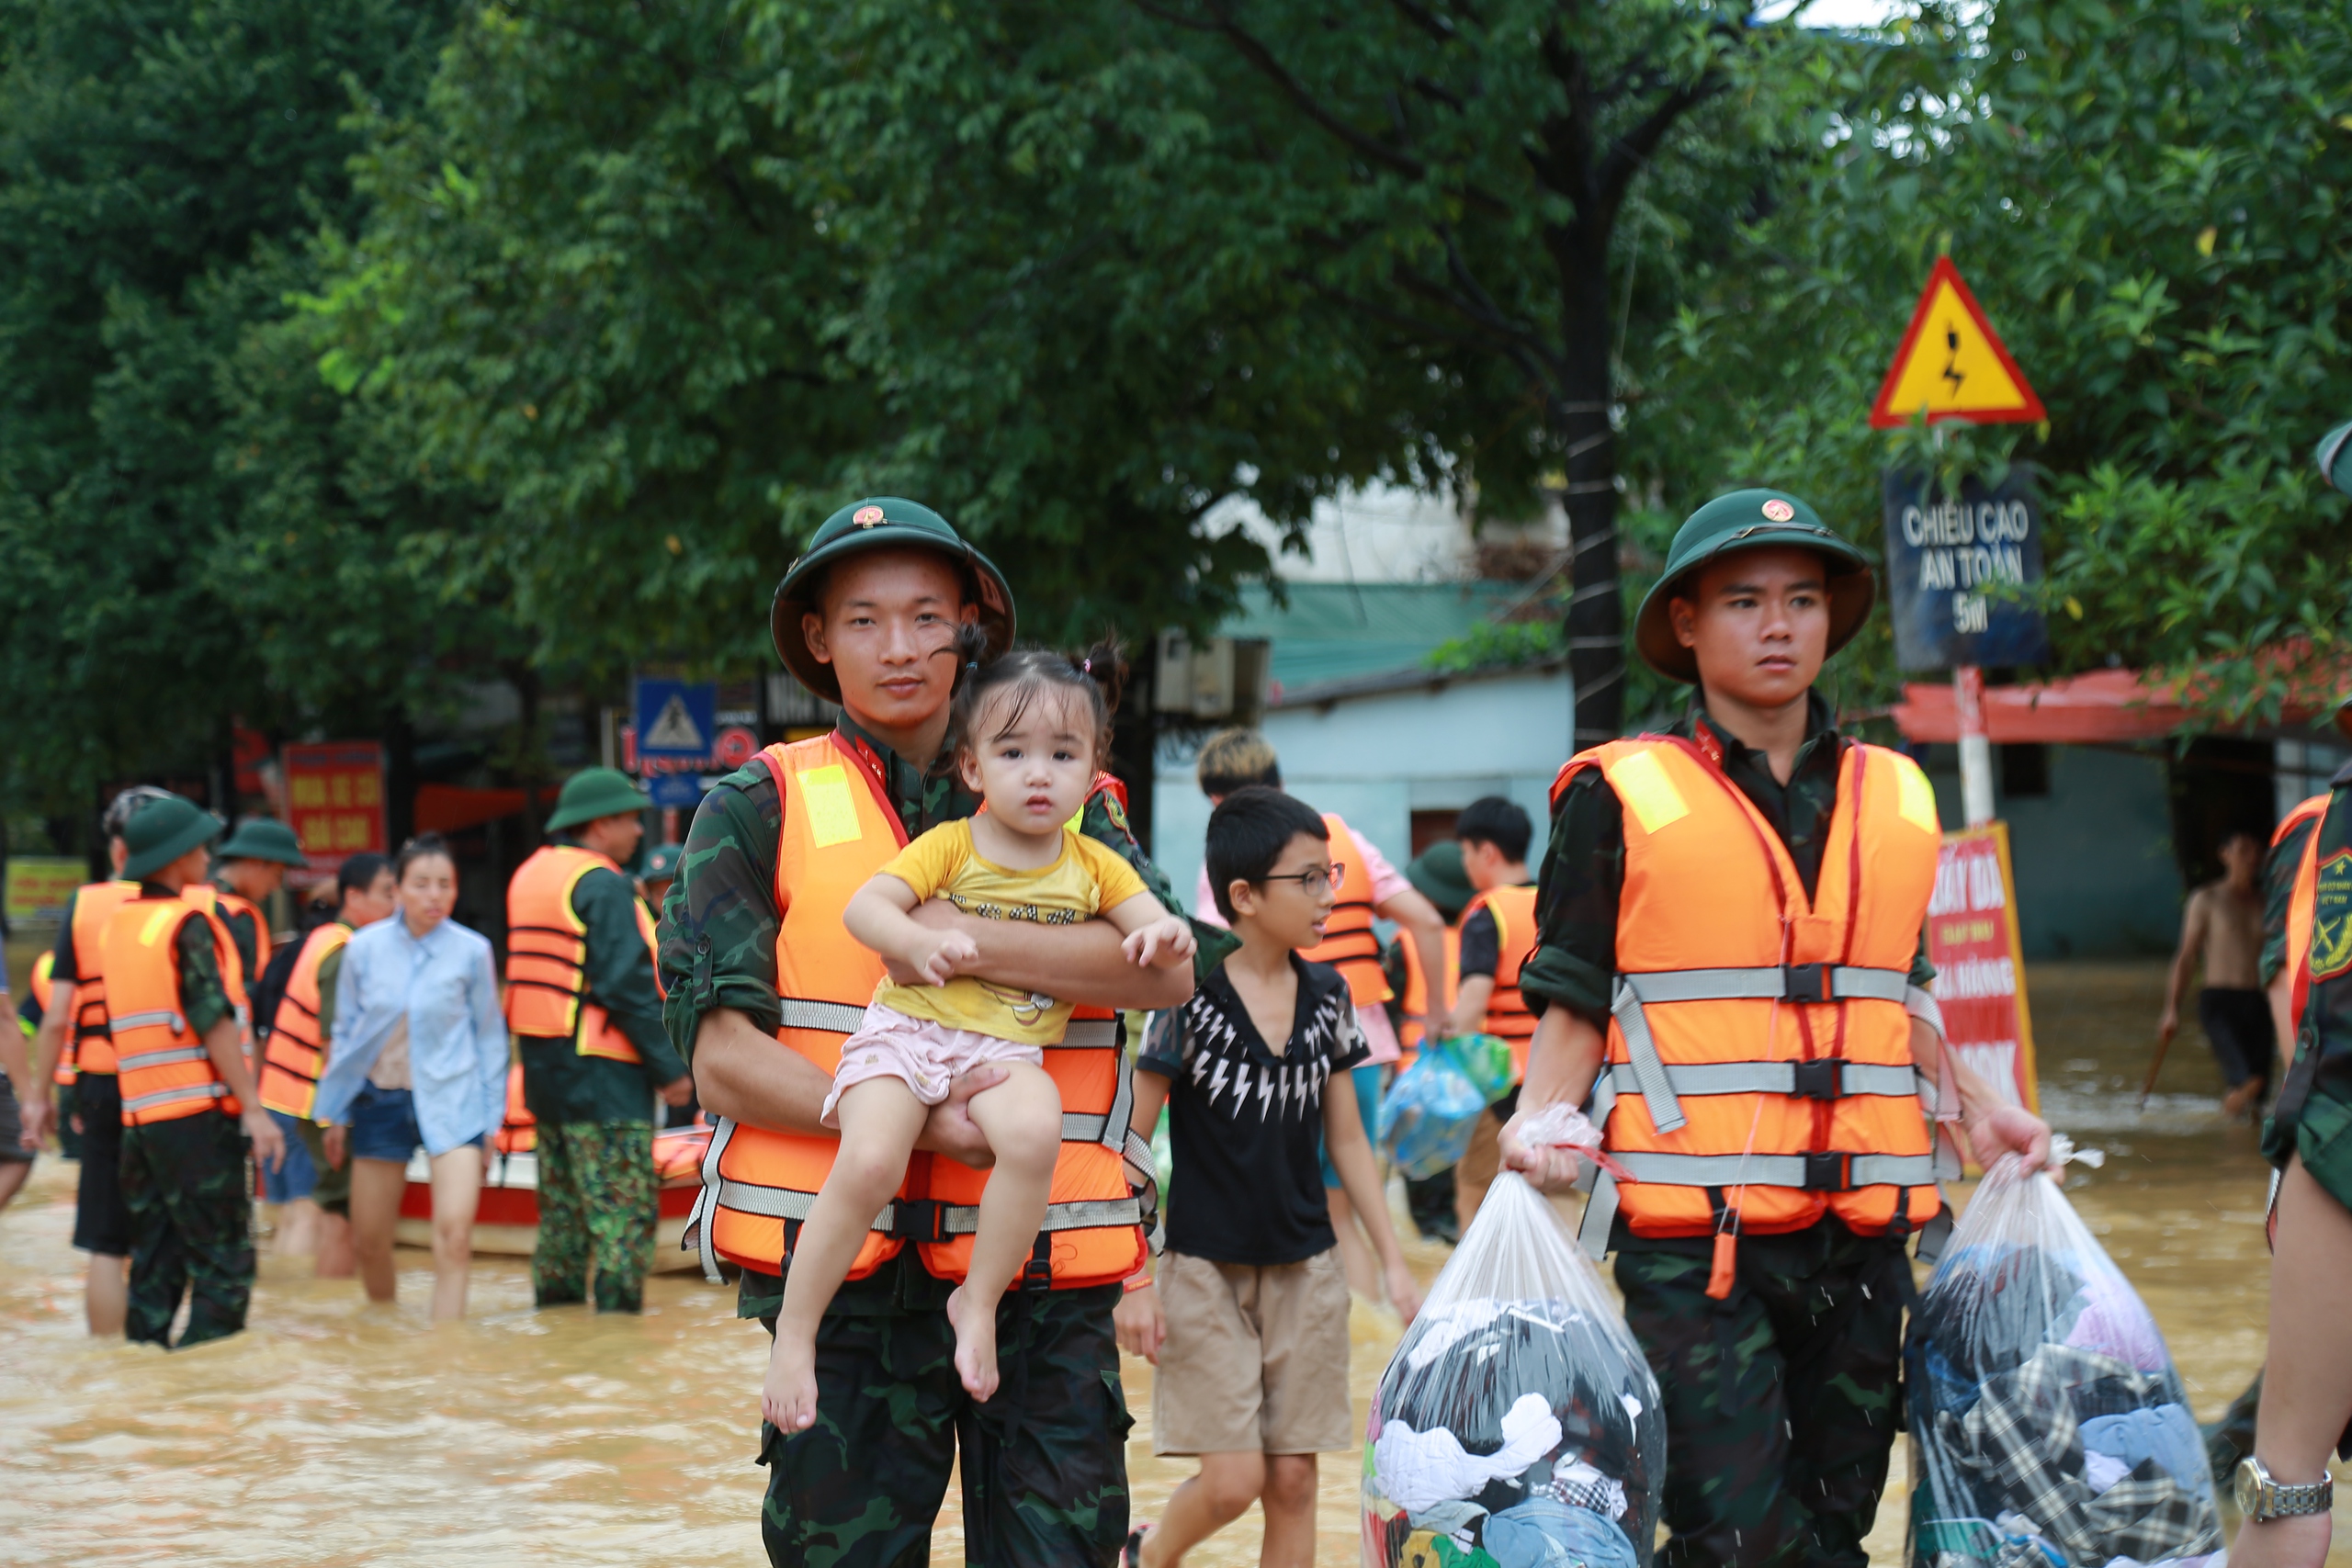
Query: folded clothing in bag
{"points": [[1518, 1425], [2051, 1429]]}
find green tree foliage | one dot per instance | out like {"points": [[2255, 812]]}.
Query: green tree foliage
{"points": [[671, 284], [2148, 196], [160, 164], [1458, 176]]}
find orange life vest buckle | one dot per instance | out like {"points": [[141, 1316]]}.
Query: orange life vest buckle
{"points": [[1805, 983], [919, 1220], [1818, 1079]]}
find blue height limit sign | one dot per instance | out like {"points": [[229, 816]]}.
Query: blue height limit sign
{"points": [[675, 718], [1961, 571]]}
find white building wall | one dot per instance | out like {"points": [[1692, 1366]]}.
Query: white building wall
{"points": [[1376, 760]]}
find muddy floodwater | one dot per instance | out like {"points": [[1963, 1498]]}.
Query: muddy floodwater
{"points": [[336, 1434]]}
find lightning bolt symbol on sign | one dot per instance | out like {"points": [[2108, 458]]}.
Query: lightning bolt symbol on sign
{"points": [[1952, 372]]}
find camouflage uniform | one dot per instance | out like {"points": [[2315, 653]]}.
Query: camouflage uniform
{"points": [[1782, 1402], [596, 1207], [1044, 1462], [597, 1202], [189, 1195], [2311, 1118]]}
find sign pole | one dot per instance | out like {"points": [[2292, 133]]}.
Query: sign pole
{"points": [[1975, 746]]}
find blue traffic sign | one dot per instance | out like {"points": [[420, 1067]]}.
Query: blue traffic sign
{"points": [[675, 718], [676, 789]]}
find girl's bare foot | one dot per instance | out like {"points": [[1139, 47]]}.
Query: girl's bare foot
{"points": [[788, 1397], [975, 1344]]}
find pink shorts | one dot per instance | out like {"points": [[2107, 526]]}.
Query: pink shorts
{"points": [[924, 1053]]}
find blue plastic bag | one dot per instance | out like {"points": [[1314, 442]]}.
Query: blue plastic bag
{"points": [[1428, 1113]]}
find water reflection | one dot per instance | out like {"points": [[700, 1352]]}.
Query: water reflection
{"points": [[336, 1433]]}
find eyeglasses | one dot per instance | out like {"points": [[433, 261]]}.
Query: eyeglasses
{"points": [[1314, 878]]}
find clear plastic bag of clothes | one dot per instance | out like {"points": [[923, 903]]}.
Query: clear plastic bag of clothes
{"points": [[1428, 1113], [1517, 1426], [2049, 1427]]}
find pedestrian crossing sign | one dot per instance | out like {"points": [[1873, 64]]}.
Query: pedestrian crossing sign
{"points": [[1953, 365], [675, 718]]}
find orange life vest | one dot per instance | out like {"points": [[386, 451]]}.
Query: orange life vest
{"points": [[546, 952], [167, 1072], [42, 988], [87, 1048], [1416, 989], [1506, 1015], [518, 1130], [1349, 945], [2300, 901], [1759, 1071], [297, 1052], [759, 1184], [238, 904]]}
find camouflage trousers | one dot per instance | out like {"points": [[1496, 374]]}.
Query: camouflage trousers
{"points": [[1782, 1402], [597, 1213], [1045, 1468], [190, 1202]]}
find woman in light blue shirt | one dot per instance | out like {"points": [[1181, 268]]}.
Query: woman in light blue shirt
{"points": [[420, 1058]]}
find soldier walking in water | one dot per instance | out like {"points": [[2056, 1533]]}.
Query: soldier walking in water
{"points": [[2222, 925]]}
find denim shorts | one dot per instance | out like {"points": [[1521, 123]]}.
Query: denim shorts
{"points": [[296, 1178], [383, 1124]]}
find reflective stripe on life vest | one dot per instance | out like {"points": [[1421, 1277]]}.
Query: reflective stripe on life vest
{"points": [[546, 952], [837, 832], [1758, 1043], [296, 1055], [1513, 910], [1349, 943], [166, 1073], [88, 1047]]}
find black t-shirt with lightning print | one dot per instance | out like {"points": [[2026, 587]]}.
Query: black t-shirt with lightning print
{"points": [[1245, 1125]]}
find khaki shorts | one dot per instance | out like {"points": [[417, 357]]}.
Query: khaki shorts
{"points": [[1256, 1359]]}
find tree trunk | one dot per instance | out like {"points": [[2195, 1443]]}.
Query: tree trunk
{"points": [[1580, 415]]}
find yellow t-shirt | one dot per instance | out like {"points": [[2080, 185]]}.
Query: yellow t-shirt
{"points": [[1088, 878]]}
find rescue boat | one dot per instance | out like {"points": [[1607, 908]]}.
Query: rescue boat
{"points": [[506, 1224]]}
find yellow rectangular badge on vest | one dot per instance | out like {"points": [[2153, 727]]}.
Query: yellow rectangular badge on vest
{"points": [[832, 815], [1643, 785], [1914, 797]]}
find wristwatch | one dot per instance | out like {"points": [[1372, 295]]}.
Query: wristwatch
{"points": [[2260, 1498]]}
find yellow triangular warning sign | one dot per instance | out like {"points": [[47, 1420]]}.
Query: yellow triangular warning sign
{"points": [[1952, 363]]}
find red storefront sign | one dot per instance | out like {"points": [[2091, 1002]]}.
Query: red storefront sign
{"points": [[335, 795], [1980, 972]]}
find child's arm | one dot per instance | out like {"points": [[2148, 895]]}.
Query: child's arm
{"points": [[1350, 1154], [1140, 1325], [880, 915], [1154, 936]]}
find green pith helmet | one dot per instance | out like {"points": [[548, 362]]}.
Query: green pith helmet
{"points": [[1436, 874], [163, 830], [661, 862], [1752, 520], [263, 838], [595, 792], [881, 522]]}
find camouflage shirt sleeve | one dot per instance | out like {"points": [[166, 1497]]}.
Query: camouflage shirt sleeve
{"points": [[719, 923], [620, 972], [1105, 820], [203, 999], [2277, 886]]}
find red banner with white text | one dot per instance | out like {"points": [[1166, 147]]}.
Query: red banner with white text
{"points": [[1979, 970]]}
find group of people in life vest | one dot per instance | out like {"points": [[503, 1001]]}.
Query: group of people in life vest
{"points": [[382, 1030], [1720, 960]]}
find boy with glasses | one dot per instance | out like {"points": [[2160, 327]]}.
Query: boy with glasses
{"points": [[1248, 1321]]}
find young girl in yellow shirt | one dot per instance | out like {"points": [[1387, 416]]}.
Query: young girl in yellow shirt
{"points": [[1030, 730]]}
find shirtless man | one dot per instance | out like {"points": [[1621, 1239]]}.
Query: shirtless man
{"points": [[2223, 922]]}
